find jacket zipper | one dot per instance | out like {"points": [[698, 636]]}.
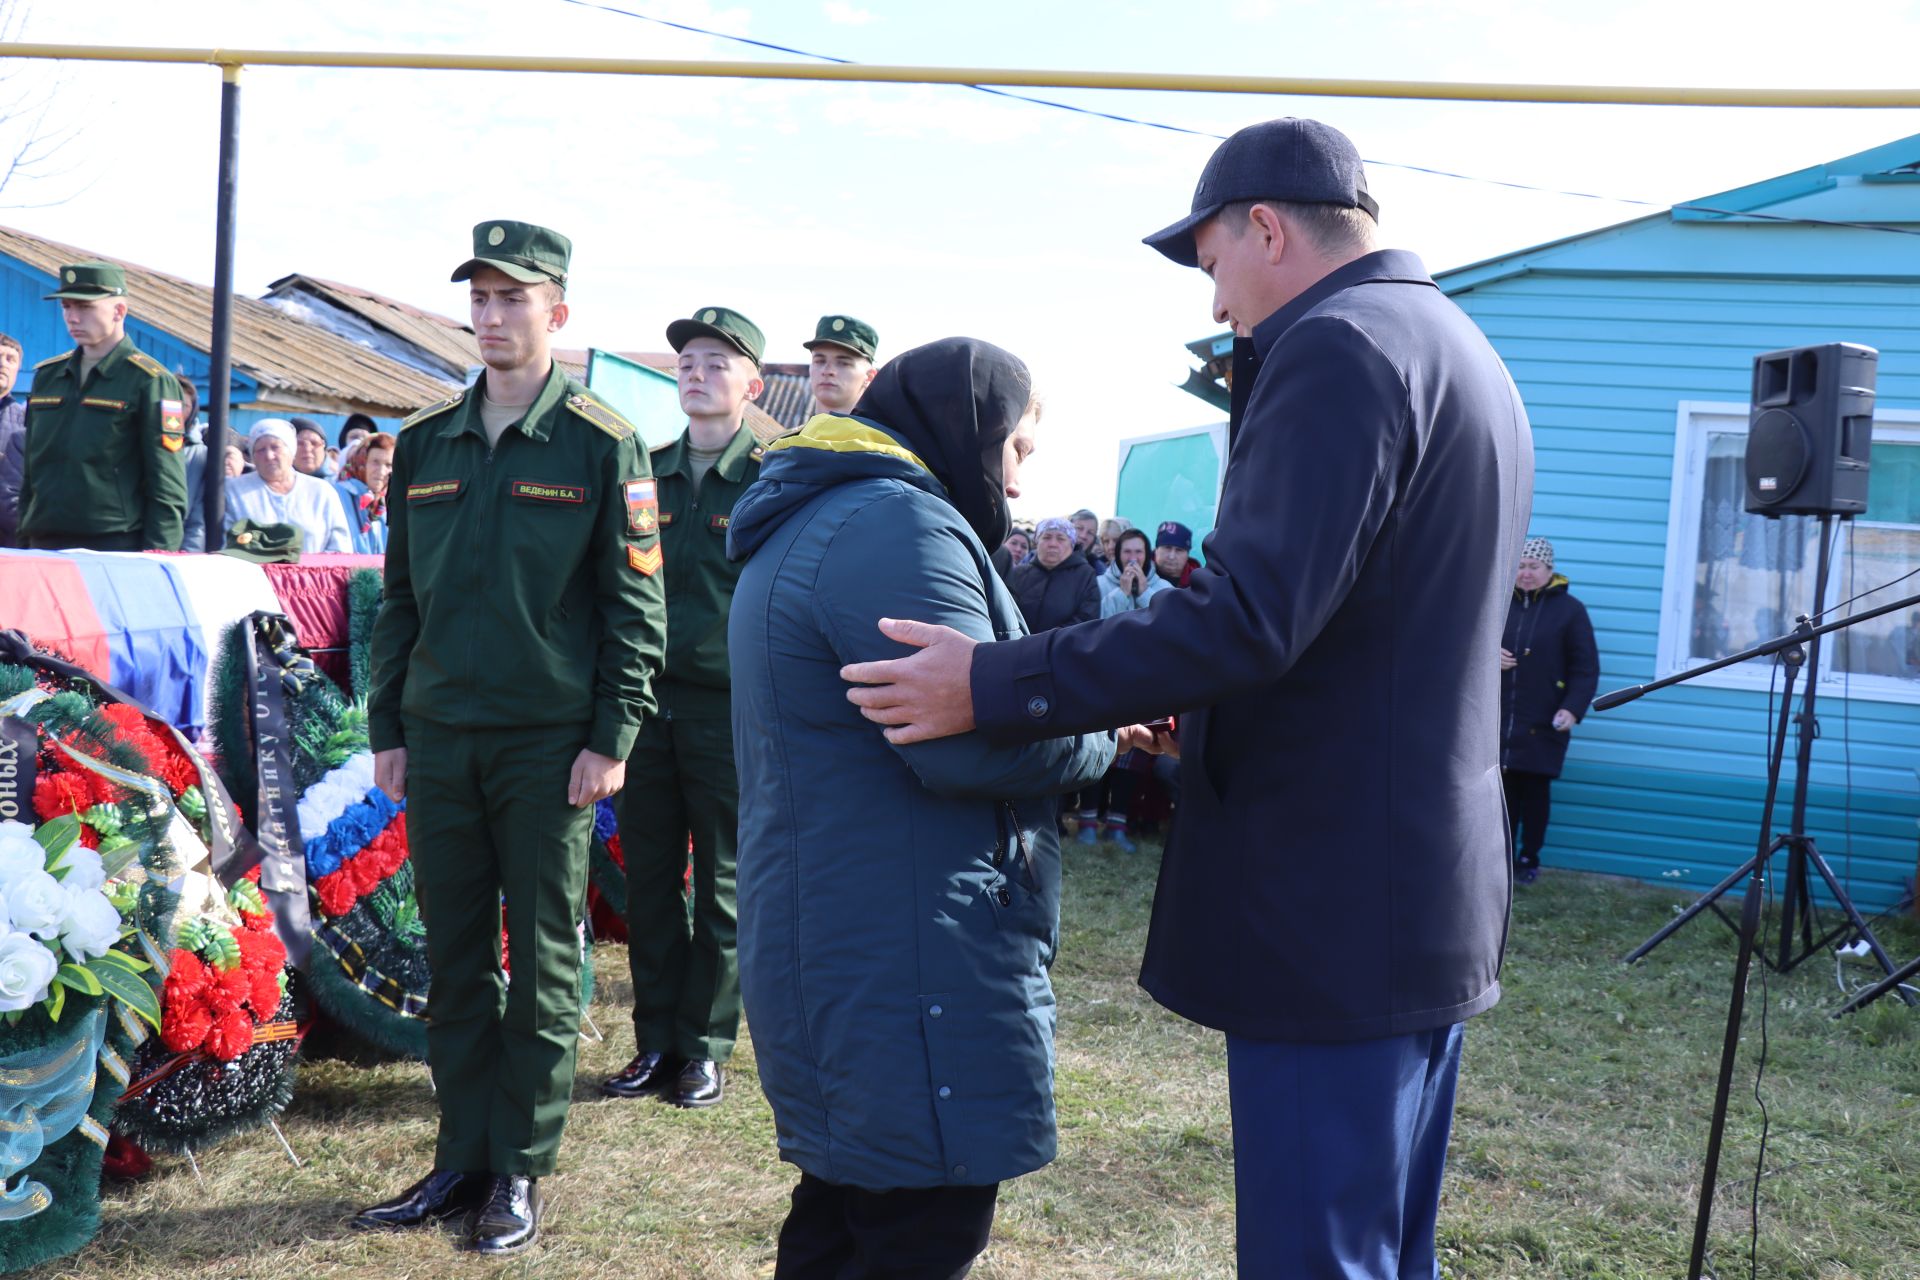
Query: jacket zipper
{"points": [[1513, 702]]}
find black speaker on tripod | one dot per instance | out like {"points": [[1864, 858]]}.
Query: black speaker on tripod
{"points": [[1810, 430]]}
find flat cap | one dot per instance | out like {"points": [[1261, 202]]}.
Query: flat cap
{"points": [[90, 281], [732, 328], [525, 252], [856, 336]]}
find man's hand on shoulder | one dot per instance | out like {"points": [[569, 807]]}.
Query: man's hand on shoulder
{"points": [[923, 696], [595, 777]]}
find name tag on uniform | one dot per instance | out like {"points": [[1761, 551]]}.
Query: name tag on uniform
{"points": [[541, 491], [96, 402], [45, 402], [719, 524], [433, 490]]}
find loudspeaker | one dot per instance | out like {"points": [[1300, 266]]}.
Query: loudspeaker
{"points": [[1810, 430]]}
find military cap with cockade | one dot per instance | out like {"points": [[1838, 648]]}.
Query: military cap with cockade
{"points": [[529, 254], [856, 336], [729, 326], [90, 281]]}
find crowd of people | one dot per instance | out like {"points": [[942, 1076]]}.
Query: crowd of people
{"points": [[862, 851]]}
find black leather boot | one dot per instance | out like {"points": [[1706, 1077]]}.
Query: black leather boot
{"points": [[650, 1073], [440, 1194], [701, 1083], [508, 1220]]}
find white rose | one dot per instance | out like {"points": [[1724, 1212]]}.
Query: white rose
{"points": [[84, 870], [26, 971], [19, 856], [11, 828], [6, 918], [90, 925], [36, 904]]}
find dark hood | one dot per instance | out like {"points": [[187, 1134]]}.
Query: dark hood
{"points": [[1556, 586], [828, 451], [954, 403]]}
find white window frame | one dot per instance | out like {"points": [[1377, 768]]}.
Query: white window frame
{"points": [[1696, 419]]}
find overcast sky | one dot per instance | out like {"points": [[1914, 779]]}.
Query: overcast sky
{"points": [[925, 210]]}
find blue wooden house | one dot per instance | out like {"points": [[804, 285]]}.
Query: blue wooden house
{"points": [[1632, 347], [282, 364]]}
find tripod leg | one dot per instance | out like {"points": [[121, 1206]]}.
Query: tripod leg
{"points": [[1854, 918], [1891, 982], [1705, 900]]}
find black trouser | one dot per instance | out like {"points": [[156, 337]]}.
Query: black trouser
{"points": [[844, 1233], [1528, 804]]}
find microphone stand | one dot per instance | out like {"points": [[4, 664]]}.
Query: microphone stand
{"points": [[1792, 656]]}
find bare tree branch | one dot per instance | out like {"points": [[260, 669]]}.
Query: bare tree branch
{"points": [[27, 140]]}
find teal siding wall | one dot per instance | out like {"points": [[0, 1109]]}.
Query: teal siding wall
{"points": [[1668, 789]]}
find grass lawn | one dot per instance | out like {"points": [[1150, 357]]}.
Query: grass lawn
{"points": [[1581, 1124]]}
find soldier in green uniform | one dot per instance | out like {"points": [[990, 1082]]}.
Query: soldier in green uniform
{"points": [[842, 365], [680, 777], [105, 427], [513, 660]]}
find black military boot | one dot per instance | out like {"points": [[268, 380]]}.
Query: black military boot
{"points": [[649, 1073], [508, 1220], [701, 1083], [440, 1194]]}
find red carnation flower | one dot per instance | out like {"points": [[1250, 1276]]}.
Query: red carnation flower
{"points": [[231, 1036], [185, 1028], [336, 893], [264, 994], [188, 976], [57, 794]]}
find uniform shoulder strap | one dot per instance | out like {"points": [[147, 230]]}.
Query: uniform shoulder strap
{"points": [[434, 410], [146, 363], [67, 354], [585, 404]]}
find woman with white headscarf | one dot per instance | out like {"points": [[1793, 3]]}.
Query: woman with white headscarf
{"points": [[277, 494]]}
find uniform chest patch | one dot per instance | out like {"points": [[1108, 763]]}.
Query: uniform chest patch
{"points": [[541, 491], [666, 517], [719, 524], [45, 402], [100, 402], [433, 489]]}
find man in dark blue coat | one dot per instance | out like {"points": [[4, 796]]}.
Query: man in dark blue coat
{"points": [[1334, 893]]}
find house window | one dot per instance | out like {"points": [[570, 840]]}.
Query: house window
{"points": [[1734, 579]]}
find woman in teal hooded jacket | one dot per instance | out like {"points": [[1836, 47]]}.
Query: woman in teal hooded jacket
{"points": [[899, 906]]}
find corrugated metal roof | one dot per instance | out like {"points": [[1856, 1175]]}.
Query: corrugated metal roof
{"points": [[296, 365], [446, 340], [788, 397]]}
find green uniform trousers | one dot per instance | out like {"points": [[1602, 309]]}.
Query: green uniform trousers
{"points": [[487, 820], [681, 781]]}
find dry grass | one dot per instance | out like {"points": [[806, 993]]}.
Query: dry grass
{"points": [[1581, 1122]]}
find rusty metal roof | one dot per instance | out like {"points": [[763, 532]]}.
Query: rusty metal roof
{"points": [[295, 364], [444, 339]]}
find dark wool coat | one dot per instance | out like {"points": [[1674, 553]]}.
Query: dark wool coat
{"points": [[899, 906], [1057, 597], [1339, 866], [1558, 670]]}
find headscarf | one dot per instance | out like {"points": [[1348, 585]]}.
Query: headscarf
{"points": [[1054, 524], [279, 428], [954, 402], [1538, 549]]}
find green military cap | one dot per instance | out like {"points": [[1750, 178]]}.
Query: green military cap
{"points": [[88, 281], [856, 336], [263, 543], [528, 253], [718, 322]]}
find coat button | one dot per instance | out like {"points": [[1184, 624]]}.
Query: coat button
{"points": [[959, 1171], [1037, 707], [935, 1011], [945, 1092], [1005, 899]]}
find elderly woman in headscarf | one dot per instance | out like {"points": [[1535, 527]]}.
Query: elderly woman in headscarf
{"points": [[1550, 667], [276, 493], [899, 905]]}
